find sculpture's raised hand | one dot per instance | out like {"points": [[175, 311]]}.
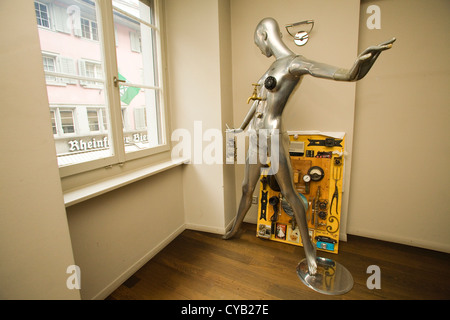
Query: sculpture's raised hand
{"points": [[366, 60]]}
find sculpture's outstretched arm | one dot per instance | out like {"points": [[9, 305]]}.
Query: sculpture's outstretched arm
{"points": [[360, 68]]}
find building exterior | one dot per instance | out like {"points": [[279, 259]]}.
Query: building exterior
{"points": [[70, 37]]}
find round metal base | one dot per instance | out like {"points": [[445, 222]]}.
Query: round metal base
{"points": [[331, 277]]}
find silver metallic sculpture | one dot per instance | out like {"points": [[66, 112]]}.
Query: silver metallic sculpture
{"points": [[276, 85]]}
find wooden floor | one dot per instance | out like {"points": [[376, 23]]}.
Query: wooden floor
{"points": [[202, 266]]}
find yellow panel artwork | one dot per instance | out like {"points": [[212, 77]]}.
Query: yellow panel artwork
{"points": [[317, 172]]}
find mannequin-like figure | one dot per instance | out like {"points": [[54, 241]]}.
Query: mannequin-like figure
{"points": [[276, 85]]}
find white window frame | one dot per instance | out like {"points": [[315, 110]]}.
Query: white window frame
{"points": [[105, 23], [58, 122], [140, 118], [63, 65], [96, 82], [97, 118], [51, 80], [48, 15], [91, 33], [135, 41], [101, 117], [54, 122]]}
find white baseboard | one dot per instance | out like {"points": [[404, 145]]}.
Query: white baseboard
{"points": [[203, 228], [137, 265], [414, 242], [103, 294], [217, 230]]}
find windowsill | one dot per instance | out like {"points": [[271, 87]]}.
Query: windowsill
{"points": [[78, 195]]}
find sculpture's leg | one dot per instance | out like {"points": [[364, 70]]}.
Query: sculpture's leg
{"points": [[285, 181], [251, 178]]}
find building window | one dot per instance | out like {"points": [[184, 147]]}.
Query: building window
{"points": [[67, 122], [135, 41], [93, 70], [140, 119], [93, 120], [58, 64], [97, 119], [42, 16], [53, 119], [101, 117], [63, 121], [89, 29], [49, 66], [104, 120]]}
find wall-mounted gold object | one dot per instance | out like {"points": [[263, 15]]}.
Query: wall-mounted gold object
{"points": [[255, 93]]}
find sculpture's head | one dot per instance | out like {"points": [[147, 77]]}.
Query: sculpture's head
{"points": [[267, 33]]}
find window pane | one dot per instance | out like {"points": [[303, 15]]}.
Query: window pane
{"points": [[67, 122], [93, 120], [137, 9], [52, 116], [94, 30], [85, 28], [80, 130], [136, 49], [41, 14], [49, 65], [141, 120], [104, 120]]}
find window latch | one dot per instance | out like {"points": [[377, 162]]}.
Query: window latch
{"points": [[116, 81]]}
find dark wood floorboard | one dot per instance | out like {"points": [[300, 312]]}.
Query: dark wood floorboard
{"points": [[202, 266]]}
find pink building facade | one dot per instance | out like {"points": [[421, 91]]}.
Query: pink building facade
{"points": [[70, 39]]}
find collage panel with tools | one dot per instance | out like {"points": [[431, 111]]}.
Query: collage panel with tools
{"points": [[317, 168]]}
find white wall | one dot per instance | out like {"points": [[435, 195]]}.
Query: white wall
{"points": [[35, 247], [226, 91], [200, 84], [400, 178], [113, 235]]}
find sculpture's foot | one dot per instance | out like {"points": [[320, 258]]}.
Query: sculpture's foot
{"points": [[312, 265], [330, 277], [311, 257], [230, 234]]}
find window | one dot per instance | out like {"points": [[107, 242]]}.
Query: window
{"points": [[67, 123], [93, 120], [105, 109], [91, 69], [49, 66], [89, 29], [135, 41], [97, 119], [57, 64], [52, 116], [139, 73], [63, 121], [42, 14], [140, 118]]}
